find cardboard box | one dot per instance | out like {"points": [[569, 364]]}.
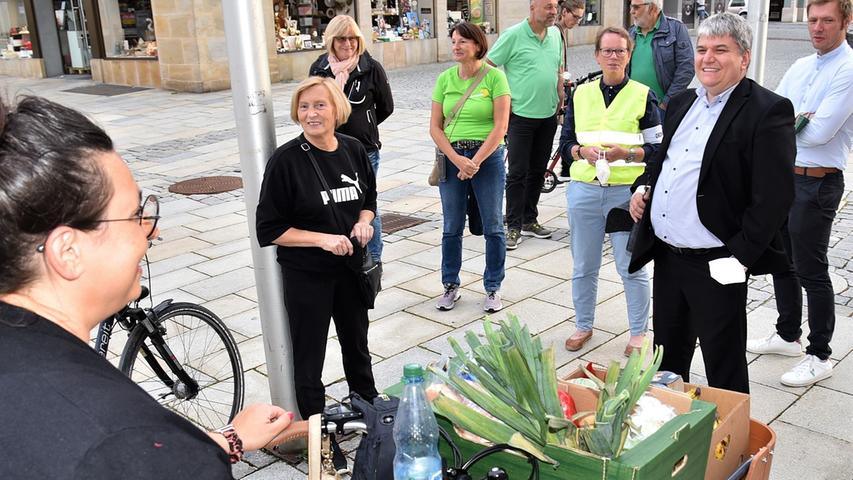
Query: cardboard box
{"points": [[731, 437], [677, 451], [672, 381]]}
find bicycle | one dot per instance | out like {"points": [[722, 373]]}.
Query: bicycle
{"points": [[191, 362], [341, 419], [551, 179]]}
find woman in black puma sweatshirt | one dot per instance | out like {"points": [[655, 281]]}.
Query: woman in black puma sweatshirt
{"points": [[295, 213]]}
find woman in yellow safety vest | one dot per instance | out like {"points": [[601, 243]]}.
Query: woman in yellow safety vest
{"points": [[610, 128]]}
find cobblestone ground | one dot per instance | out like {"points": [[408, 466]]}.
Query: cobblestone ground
{"points": [[204, 257]]}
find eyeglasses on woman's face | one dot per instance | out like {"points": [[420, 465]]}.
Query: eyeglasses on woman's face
{"points": [[609, 52], [148, 215], [576, 16], [347, 39]]}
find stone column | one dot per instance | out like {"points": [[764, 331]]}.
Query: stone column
{"points": [[364, 17], [440, 31], [191, 44]]}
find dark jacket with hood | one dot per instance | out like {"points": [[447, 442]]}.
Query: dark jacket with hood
{"points": [[369, 96]]}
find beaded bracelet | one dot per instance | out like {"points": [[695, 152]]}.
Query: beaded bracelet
{"points": [[235, 445]]}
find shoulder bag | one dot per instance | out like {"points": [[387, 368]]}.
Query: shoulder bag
{"points": [[437, 172], [368, 270]]}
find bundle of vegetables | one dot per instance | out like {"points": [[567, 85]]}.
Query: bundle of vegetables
{"points": [[513, 381], [618, 394], [511, 377]]}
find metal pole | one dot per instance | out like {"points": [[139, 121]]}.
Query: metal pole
{"points": [[251, 93], [757, 18]]}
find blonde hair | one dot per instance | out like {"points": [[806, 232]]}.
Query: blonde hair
{"points": [[336, 95], [341, 26]]}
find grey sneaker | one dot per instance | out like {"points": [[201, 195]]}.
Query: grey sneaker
{"points": [[493, 302], [450, 297], [535, 230], [513, 238]]}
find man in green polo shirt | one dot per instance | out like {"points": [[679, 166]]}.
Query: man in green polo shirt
{"points": [[663, 53], [530, 54]]}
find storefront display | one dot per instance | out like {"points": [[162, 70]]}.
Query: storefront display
{"points": [[592, 14], [300, 24], [395, 20], [15, 39], [478, 12], [128, 28], [18, 44]]}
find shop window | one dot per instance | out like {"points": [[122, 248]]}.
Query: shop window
{"points": [[478, 12], [592, 14], [395, 20], [128, 28], [15, 35], [300, 24]]}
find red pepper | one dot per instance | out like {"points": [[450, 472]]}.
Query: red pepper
{"points": [[568, 404]]}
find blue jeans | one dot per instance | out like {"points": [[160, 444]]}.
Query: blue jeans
{"points": [[588, 206], [488, 186], [375, 244]]}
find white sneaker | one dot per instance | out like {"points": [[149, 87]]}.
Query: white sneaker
{"points": [[774, 344], [810, 370]]}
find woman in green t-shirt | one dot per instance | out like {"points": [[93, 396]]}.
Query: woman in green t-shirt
{"points": [[472, 143]]}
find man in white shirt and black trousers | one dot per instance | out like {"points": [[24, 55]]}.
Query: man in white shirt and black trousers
{"points": [[711, 204], [820, 87]]}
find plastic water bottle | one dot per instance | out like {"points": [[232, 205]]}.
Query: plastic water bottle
{"points": [[415, 431]]}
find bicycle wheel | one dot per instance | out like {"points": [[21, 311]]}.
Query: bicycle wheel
{"points": [[203, 346]]}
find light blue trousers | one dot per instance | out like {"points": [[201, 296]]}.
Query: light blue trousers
{"points": [[588, 205]]}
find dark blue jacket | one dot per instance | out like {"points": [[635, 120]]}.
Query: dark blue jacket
{"points": [[369, 96], [673, 54]]}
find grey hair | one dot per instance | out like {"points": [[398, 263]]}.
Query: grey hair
{"points": [[658, 4], [727, 24]]}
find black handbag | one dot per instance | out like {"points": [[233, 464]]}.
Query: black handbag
{"points": [[374, 458], [368, 271]]}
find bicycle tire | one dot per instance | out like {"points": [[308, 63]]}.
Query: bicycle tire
{"points": [[205, 348]]}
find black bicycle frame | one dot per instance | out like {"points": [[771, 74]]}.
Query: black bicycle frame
{"points": [[132, 318]]}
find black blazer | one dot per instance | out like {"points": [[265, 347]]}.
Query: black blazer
{"points": [[746, 182]]}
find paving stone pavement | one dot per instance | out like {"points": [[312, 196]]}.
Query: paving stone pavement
{"points": [[168, 137]]}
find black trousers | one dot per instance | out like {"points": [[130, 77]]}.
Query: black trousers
{"points": [[689, 304], [529, 142], [806, 237], [311, 299]]}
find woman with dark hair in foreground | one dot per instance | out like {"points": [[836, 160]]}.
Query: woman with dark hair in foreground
{"points": [[74, 231]]}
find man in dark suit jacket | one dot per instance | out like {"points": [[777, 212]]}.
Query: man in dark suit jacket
{"points": [[711, 204]]}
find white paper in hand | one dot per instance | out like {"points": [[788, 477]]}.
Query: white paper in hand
{"points": [[727, 271], [602, 171]]}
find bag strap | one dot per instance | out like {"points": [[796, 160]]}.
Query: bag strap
{"points": [[479, 78], [307, 149]]}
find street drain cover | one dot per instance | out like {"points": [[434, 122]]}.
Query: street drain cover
{"points": [[106, 90], [207, 185], [393, 222]]}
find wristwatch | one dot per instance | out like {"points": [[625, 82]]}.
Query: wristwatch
{"points": [[631, 155], [235, 445], [577, 155]]}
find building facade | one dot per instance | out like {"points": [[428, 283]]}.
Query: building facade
{"points": [[180, 44]]}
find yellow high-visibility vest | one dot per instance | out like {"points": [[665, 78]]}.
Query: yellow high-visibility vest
{"points": [[597, 124]]}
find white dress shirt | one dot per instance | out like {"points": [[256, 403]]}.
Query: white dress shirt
{"points": [[823, 84], [675, 217]]}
